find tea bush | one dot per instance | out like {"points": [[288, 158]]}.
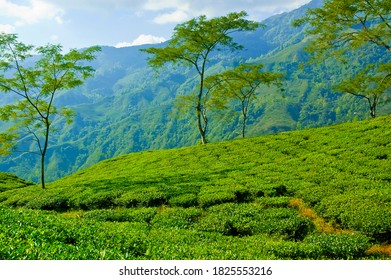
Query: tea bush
{"points": [[121, 215], [248, 219], [226, 200], [340, 246], [176, 218], [209, 198], [188, 244], [184, 200], [266, 202], [289, 250], [149, 197], [369, 219], [10, 182], [42, 235]]}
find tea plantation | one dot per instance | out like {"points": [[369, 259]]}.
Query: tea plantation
{"points": [[320, 193]]}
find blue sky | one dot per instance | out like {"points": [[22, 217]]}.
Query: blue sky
{"points": [[83, 23]]}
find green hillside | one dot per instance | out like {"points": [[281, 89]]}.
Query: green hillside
{"points": [[321, 193], [127, 107], [10, 182]]}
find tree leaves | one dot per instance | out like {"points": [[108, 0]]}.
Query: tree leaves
{"points": [[36, 83], [341, 23], [191, 45], [240, 83], [342, 26]]}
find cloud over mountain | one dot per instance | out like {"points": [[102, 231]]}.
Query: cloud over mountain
{"points": [[143, 39]]}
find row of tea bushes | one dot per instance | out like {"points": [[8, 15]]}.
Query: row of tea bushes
{"points": [[170, 234]]}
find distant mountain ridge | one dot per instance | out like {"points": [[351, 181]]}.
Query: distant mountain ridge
{"points": [[127, 107]]}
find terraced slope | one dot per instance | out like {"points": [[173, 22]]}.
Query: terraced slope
{"points": [[312, 194], [10, 182]]}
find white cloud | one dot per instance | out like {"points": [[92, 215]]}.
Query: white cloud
{"points": [[174, 17], [97, 5], [175, 10], [143, 39], [36, 11], [158, 5], [59, 20], [169, 11], [210, 8], [54, 38], [88, 22], [7, 28]]}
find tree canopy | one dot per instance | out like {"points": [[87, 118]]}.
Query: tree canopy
{"points": [[242, 84], [35, 75], [191, 45], [342, 26]]}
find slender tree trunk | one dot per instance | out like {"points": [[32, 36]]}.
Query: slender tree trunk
{"points": [[372, 107], [201, 127], [43, 171], [201, 118], [244, 125], [373, 112], [244, 114], [43, 152]]}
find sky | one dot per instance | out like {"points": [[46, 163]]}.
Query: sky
{"points": [[119, 23]]}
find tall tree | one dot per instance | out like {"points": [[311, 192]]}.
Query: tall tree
{"points": [[35, 75], [372, 84], [342, 26], [241, 83], [191, 45]]}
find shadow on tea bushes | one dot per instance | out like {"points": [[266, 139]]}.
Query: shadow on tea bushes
{"points": [[250, 219]]}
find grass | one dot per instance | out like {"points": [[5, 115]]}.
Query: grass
{"points": [[320, 193]]}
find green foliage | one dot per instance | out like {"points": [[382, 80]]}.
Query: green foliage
{"points": [[369, 219], [193, 40], [323, 246], [340, 246], [149, 197], [43, 235], [295, 251], [343, 26], [10, 182], [212, 202], [88, 199], [40, 235], [127, 108], [228, 200], [7, 141], [171, 218], [138, 215], [266, 202], [35, 88], [352, 22], [247, 219], [210, 198], [184, 200], [370, 84], [192, 44], [240, 83]]}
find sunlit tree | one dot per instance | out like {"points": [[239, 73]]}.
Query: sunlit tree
{"points": [[342, 26], [241, 83], [192, 44], [35, 76]]}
